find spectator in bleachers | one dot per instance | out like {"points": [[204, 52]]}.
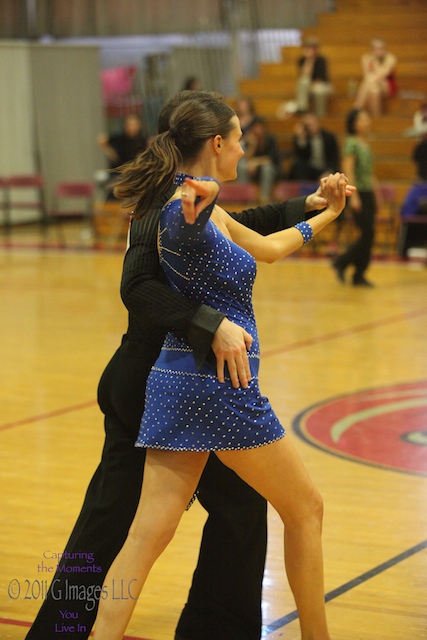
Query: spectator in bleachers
{"points": [[315, 149], [192, 83], [125, 145], [313, 79], [419, 122], [419, 156], [245, 111], [415, 204], [420, 119], [413, 234], [379, 78], [122, 147], [262, 160]]}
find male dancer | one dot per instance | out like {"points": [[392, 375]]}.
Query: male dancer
{"points": [[224, 601]]}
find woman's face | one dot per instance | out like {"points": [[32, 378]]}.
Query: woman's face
{"points": [[378, 49], [230, 152], [363, 122]]}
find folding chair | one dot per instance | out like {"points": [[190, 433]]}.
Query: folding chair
{"points": [[236, 195], [386, 219], [4, 205], [72, 200], [286, 189], [20, 186]]}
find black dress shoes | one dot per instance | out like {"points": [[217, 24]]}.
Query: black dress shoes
{"points": [[339, 271], [360, 281]]}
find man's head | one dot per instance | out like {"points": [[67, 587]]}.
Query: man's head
{"points": [[311, 123]]}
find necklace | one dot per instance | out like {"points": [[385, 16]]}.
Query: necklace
{"points": [[180, 178]]}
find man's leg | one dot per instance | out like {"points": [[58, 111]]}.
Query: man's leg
{"points": [[224, 602], [109, 506], [267, 177]]}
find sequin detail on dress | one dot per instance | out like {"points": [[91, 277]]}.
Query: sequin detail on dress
{"points": [[188, 409]]}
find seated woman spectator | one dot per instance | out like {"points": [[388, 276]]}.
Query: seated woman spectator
{"points": [[379, 78], [262, 160], [313, 79], [245, 111]]}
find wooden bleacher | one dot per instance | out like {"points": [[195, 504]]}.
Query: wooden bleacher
{"points": [[344, 36]]}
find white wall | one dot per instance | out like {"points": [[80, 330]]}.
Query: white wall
{"points": [[17, 135], [50, 113]]}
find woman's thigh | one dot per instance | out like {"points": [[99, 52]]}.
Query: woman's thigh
{"points": [[277, 472], [170, 480]]}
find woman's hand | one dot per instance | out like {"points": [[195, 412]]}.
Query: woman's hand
{"points": [[207, 190], [320, 199], [335, 188]]}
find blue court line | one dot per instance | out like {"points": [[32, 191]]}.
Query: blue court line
{"points": [[293, 615]]}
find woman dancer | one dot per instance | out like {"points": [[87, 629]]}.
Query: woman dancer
{"points": [[188, 411]]}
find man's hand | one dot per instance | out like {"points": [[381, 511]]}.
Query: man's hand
{"points": [[230, 345]]}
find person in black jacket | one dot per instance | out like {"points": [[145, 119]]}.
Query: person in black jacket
{"points": [[313, 79], [121, 147], [315, 149], [224, 601]]}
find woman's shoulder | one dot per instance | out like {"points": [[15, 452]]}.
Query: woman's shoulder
{"points": [[170, 208], [351, 144]]}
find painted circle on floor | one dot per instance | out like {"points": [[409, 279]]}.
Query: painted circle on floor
{"points": [[385, 427]]}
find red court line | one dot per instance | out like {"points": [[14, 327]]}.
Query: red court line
{"points": [[22, 623], [265, 354], [343, 332], [50, 414], [16, 623]]}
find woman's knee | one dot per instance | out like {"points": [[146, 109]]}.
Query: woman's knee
{"points": [[309, 512], [156, 532], [315, 506]]}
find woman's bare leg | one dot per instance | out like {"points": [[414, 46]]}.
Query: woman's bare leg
{"points": [[170, 479], [277, 473], [361, 98]]}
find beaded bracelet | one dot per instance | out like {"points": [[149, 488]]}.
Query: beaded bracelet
{"points": [[306, 231]]}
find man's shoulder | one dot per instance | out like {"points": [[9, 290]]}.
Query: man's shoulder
{"points": [[330, 135]]}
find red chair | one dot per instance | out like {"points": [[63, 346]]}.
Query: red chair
{"points": [[72, 200], [20, 186], [4, 205], [387, 219], [238, 192], [286, 189]]}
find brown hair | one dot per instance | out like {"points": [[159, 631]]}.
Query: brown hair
{"points": [[192, 122]]}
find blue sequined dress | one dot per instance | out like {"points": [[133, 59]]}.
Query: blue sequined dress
{"points": [[188, 409]]}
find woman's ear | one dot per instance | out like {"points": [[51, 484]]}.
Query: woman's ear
{"points": [[217, 143]]}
